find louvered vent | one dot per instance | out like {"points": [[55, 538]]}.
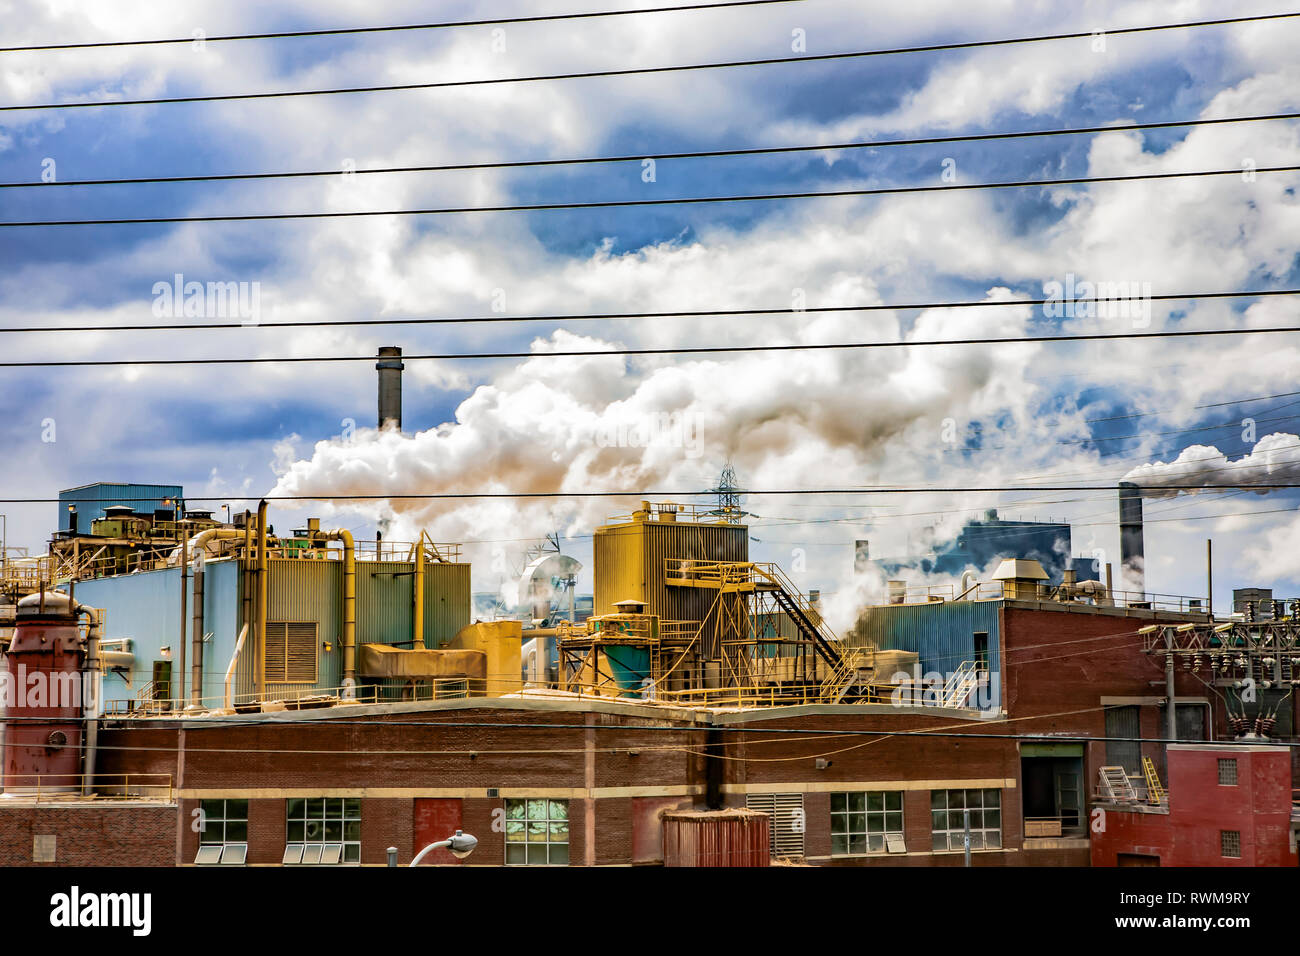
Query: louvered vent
{"points": [[291, 652], [788, 822]]}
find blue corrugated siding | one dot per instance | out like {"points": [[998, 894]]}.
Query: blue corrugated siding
{"points": [[942, 635], [146, 608], [93, 499]]}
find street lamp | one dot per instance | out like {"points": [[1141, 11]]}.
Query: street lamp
{"points": [[460, 843]]}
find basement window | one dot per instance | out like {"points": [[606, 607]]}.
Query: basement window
{"points": [[865, 822], [948, 820], [291, 652], [223, 832], [537, 832], [1228, 771], [322, 831], [1230, 843]]}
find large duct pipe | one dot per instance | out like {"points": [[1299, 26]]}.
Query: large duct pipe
{"points": [[92, 701], [417, 609], [1132, 560], [349, 603], [198, 549], [390, 387], [259, 637]]}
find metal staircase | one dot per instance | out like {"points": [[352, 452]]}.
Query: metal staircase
{"points": [[960, 683], [1116, 785]]}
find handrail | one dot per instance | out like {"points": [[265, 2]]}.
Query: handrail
{"points": [[44, 787]]}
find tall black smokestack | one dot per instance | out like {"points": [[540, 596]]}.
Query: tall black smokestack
{"points": [[390, 387], [1131, 557]]}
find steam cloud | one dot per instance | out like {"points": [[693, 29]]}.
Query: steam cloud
{"points": [[1274, 459]]}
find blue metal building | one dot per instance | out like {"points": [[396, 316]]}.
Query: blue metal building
{"points": [[91, 500]]}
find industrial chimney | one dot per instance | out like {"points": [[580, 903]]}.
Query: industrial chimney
{"points": [[1132, 561], [390, 368]]}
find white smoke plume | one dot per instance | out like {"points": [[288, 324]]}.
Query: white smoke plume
{"points": [[1274, 459]]}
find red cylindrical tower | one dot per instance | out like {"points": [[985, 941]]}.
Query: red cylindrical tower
{"points": [[43, 733]]}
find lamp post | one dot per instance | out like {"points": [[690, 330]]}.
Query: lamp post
{"points": [[460, 843]]}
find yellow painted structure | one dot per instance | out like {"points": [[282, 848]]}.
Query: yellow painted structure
{"points": [[501, 642]]}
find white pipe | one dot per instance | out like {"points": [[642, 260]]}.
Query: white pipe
{"points": [[92, 719], [234, 659]]}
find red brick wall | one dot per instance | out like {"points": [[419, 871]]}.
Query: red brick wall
{"points": [[91, 836]]}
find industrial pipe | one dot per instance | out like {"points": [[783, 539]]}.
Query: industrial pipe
{"points": [[259, 635], [198, 547], [93, 636], [349, 602], [234, 659], [176, 691], [417, 611]]}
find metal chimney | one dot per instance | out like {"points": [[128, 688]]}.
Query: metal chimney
{"points": [[390, 387], [1132, 560]]}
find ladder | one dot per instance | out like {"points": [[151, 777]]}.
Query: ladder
{"points": [[1155, 792], [1116, 785]]}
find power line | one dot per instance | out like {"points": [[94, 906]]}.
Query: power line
{"points": [[766, 61], [611, 204], [580, 317], [692, 154], [294, 34], [1235, 401], [682, 350], [674, 495]]}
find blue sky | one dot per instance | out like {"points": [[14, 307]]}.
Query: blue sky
{"points": [[795, 420]]}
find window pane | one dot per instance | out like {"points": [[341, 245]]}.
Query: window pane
{"points": [[352, 830], [559, 854], [292, 854], [839, 823], [313, 830], [938, 820], [514, 809], [875, 801], [894, 800], [537, 854], [334, 807], [857, 802], [537, 809], [352, 808], [236, 809], [938, 799], [212, 809], [839, 802], [514, 829], [993, 798], [839, 844], [977, 840], [993, 819], [559, 831], [537, 832], [334, 830], [236, 832], [311, 854], [956, 799], [940, 840], [993, 839], [515, 854], [559, 810], [894, 822], [316, 809], [857, 823], [295, 809], [352, 853], [857, 844], [875, 843], [296, 831]]}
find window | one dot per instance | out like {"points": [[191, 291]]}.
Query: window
{"points": [[1230, 843], [785, 835], [537, 832], [223, 833], [291, 652], [323, 831], [861, 822], [982, 650], [1227, 771], [947, 809]]}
